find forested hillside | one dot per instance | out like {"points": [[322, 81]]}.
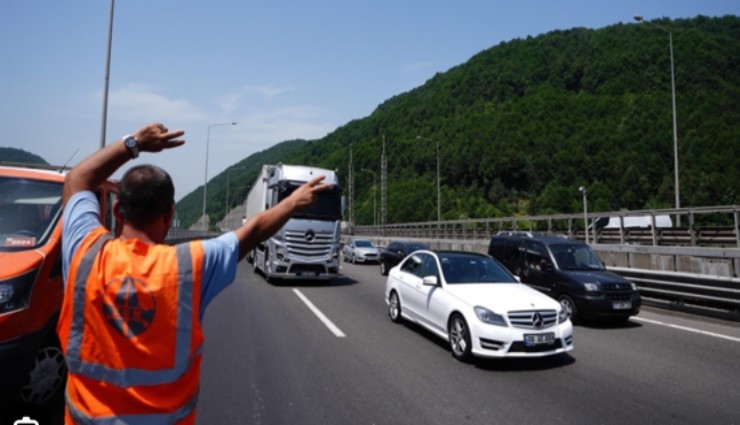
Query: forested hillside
{"points": [[20, 156], [523, 124], [239, 177]]}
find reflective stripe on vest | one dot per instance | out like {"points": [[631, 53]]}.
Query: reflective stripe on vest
{"points": [[133, 376], [144, 419]]}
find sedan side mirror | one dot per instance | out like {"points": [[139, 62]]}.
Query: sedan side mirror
{"points": [[430, 280]]}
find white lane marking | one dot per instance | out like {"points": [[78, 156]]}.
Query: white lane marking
{"points": [[329, 324], [688, 329]]}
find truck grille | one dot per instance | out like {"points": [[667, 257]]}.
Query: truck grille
{"points": [[317, 246], [533, 319]]}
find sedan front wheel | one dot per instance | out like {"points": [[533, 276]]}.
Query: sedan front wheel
{"points": [[459, 336], [394, 307]]}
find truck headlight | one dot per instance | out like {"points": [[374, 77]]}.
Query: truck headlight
{"points": [[334, 254], [280, 253], [15, 293], [487, 316]]}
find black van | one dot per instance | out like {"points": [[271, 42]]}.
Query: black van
{"points": [[568, 271]]}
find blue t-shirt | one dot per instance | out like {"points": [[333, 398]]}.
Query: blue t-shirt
{"points": [[220, 255]]}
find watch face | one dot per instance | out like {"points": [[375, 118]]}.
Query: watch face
{"points": [[130, 142]]}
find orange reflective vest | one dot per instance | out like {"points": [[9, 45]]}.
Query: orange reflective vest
{"points": [[131, 332]]}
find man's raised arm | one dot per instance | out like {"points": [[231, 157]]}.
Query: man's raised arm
{"points": [[94, 169]]}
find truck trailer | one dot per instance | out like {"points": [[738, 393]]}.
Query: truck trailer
{"points": [[307, 246]]}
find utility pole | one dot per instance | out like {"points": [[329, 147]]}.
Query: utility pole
{"points": [[383, 187], [351, 189]]}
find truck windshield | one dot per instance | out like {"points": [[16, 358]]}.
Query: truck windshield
{"points": [[328, 204], [29, 209], [576, 257]]}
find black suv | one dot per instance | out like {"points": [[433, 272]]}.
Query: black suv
{"points": [[568, 271]]}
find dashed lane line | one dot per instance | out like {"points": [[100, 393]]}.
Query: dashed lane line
{"points": [[328, 323]]}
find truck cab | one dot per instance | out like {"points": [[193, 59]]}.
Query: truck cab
{"points": [[307, 246]]}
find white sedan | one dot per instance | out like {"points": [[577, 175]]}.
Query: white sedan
{"points": [[475, 304]]}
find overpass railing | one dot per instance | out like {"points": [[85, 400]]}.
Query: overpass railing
{"points": [[704, 226]]}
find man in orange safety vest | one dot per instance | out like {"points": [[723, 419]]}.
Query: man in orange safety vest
{"points": [[130, 324]]}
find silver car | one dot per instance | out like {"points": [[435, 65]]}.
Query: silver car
{"points": [[360, 251]]}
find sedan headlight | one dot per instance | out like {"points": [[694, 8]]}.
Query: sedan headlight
{"points": [[487, 316], [592, 287], [15, 293], [562, 315]]}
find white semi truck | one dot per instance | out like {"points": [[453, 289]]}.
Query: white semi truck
{"points": [[307, 246]]}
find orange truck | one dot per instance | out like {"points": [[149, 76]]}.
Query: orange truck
{"points": [[32, 366]]}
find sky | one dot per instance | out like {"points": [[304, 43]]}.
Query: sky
{"points": [[280, 69]]}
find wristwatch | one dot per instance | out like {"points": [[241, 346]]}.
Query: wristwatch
{"points": [[130, 142]]}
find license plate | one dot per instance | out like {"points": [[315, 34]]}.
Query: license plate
{"points": [[622, 305], [539, 339], [307, 274]]}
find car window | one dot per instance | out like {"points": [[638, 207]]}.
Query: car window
{"points": [[412, 265], [576, 257], [29, 210], [534, 254], [466, 268], [392, 247], [363, 244], [429, 267]]}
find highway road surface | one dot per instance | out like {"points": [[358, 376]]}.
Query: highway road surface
{"points": [[310, 353]]}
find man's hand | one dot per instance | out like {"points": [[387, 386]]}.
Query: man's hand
{"points": [[305, 195], [156, 137], [266, 223]]}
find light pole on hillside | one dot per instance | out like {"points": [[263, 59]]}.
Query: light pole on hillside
{"points": [[439, 198], [375, 221], [205, 182], [675, 125], [582, 189]]}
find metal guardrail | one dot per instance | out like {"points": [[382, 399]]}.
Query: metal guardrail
{"points": [[703, 294], [175, 236]]}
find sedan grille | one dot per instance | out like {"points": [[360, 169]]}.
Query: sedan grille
{"points": [[533, 319]]}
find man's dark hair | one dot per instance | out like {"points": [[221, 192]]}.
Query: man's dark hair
{"points": [[146, 192]]}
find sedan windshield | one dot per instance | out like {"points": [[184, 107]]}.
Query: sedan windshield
{"points": [[29, 209], [466, 268], [576, 257], [363, 244]]}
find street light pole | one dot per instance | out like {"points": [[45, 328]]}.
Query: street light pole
{"points": [[582, 189], [439, 198], [205, 181], [375, 221], [675, 124], [104, 119]]}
